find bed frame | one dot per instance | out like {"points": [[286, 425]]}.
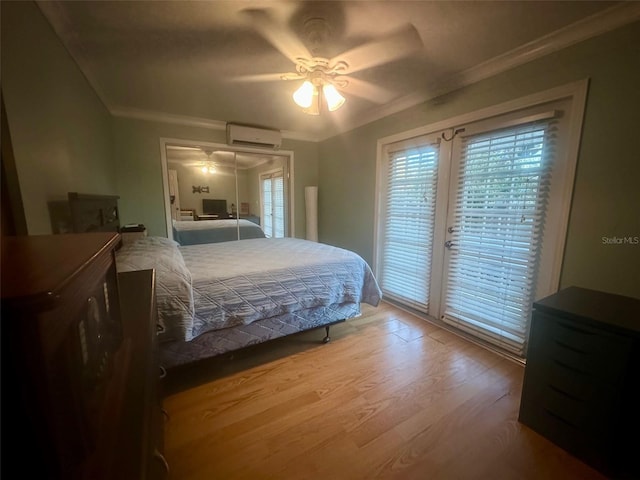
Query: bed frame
{"points": [[218, 342]]}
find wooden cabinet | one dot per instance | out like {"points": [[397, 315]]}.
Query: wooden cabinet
{"points": [[581, 387], [141, 427], [73, 346]]}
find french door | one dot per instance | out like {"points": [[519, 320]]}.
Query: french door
{"points": [[469, 220], [272, 204]]}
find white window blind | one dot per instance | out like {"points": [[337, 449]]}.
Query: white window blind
{"points": [[498, 221], [408, 223], [267, 207], [273, 214], [278, 207]]}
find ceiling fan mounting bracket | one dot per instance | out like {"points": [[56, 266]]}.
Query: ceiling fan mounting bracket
{"points": [[320, 70]]}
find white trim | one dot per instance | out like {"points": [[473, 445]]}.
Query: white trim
{"points": [[550, 95], [164, 164], [592, 26], [164, 141], [161, 117], [578, 106]]}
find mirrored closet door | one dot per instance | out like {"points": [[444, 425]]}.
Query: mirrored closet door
{"points": [[206, 182]]}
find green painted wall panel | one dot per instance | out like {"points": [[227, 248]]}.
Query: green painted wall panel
{"points": [[60, 130]]}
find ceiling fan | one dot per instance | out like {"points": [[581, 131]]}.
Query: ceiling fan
{"points": [[327, 77]]}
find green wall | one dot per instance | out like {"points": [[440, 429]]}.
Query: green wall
{"points": [[606, 199], [60, 130], [139, 170]]}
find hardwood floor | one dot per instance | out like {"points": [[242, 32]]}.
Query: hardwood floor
{"points": [[391, 396]]}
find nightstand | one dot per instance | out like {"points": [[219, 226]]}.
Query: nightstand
{"points": [[130, 234]]}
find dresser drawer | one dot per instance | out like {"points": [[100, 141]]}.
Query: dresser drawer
{"points": [[557, 343], [579, 387], [581, 428], [588, 413]]}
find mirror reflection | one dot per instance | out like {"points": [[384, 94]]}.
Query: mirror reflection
{"points": [[237, 189]]}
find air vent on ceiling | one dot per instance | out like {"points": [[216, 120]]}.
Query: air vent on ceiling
{"points": [[253, 137]]}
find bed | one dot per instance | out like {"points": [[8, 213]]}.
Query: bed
{"points": [[218, 297], [212, 231]]}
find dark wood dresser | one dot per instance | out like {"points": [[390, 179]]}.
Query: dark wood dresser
{"points": [[80, 395], [582, 382]]}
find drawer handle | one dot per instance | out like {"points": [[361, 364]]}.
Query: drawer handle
{"points": [[575, 329], [568, 367], [166, 414], [558, 417], [569, 347], [163, 372], [562, 392], [158, 456]]}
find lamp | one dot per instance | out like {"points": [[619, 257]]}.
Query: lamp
{"points": [[308, 96]]}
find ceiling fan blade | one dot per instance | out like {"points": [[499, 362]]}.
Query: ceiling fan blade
{"points": [[278, 35], [369, 91], [398, 44], [267, 77]]}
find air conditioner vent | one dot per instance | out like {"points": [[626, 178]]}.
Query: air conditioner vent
{"points": [[245, 135]]}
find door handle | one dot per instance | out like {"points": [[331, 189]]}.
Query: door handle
{"points": [[448, 244]]}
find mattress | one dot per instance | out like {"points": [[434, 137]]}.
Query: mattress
{"points": [[238, 283], [212, 231], [208, 287]]}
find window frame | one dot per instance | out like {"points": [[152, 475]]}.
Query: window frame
{"points": [[576, 92]]}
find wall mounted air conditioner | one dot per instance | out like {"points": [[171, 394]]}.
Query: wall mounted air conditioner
{"points": [[243, 135]]}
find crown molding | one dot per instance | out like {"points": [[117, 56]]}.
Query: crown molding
{"points": [[597, 24], [162, 117]]}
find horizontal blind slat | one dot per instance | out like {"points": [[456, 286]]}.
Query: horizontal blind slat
{"points": [[499, 213], [411, 180]]}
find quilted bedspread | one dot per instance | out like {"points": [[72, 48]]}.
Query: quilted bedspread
{"points": [[174, 295], [240, 282], [219, 285], [212, 231]]}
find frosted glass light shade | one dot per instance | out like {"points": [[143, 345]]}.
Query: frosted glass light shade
{"points": [[304, 95], [333, 98]]}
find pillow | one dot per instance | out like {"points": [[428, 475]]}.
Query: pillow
{"points": [[174, 295]]}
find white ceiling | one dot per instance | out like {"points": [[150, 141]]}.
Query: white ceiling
{"points": [[181, 60]]}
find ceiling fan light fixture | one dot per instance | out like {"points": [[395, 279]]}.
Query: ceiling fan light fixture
{"points": [[314, 108], [208, 168], [333, 98], [304, 95]]}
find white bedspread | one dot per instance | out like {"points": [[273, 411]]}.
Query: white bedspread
{"points": [[244, 281], [219, 285]]}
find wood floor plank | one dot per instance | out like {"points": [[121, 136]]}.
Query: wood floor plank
{"points": [[391, 396]]}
